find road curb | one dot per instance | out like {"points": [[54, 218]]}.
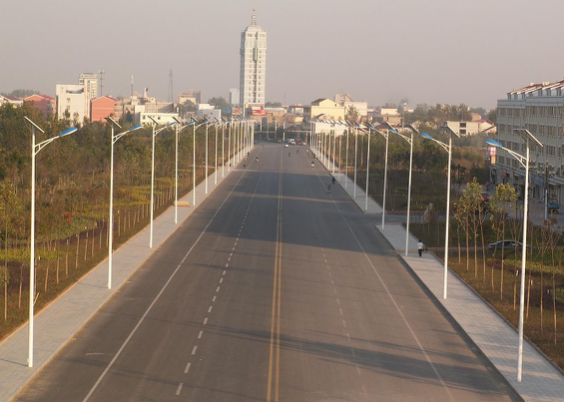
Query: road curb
{"points": [[39, 369], [468, 339]]}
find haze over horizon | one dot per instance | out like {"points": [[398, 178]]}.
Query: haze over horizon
{"points": [[437, 51]]}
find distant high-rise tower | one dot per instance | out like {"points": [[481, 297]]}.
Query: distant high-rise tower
{"points": [[253, 65], [170, 87], [90, 83]]}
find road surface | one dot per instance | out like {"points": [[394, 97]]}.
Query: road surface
{"points": [[273, 290]]}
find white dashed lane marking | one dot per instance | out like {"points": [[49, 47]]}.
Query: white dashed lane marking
{"points": [[187, 368], [179, 389], [194, 350]]}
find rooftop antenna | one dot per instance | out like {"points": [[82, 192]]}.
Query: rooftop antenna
{"points": [[132, 86], [254, 17], [102, 72]]}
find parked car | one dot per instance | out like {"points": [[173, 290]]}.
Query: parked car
{"points": [[286, 145], [300, 143], [485, 197], [506, 244]]}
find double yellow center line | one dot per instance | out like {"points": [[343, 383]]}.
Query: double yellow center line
{"points": [[273, 387]]}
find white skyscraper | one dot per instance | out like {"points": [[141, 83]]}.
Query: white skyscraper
{"points": [[253, 65]]}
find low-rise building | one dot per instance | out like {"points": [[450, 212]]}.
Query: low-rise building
{"points": [[466, 128], [105, 106], [43, 103], [361, 108], [72, 102], [161, 118], [324, 107], [16, 102], [275, 114], [191, 95], [207, 111]]}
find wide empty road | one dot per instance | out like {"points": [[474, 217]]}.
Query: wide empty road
{"points": [[273, 290]]}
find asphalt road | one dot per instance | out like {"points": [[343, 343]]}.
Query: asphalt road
{"points": [[273, 290]]}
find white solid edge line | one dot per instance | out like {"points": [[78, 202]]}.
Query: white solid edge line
{"points": [[158, 295]]}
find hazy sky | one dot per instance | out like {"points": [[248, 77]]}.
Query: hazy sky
{"points": [[448, 51]]}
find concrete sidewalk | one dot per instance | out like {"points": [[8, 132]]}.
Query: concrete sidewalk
{"points": [[57, 323], [542, 381]]}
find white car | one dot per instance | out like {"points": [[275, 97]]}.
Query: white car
{"points": [[285, 145]]}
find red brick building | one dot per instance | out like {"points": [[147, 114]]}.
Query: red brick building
{"points": [[43, 103], [104, 106]]}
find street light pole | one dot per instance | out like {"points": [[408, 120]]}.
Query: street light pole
{"points": [[385, 181], [334, 143], [176, 174], [229, 153], [115, 138], [367, 171], [524, 162], [179, 128], [154, 136], [35, 149], [355, 157], [386, 136], [194, 165], [409, 140], [347, 159], [448, 148], [207, 131], [216, 155], [523, 265], [223, 149]]}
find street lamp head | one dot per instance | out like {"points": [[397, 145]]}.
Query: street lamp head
{"points": [[412, 128], [171, 124], [450, 131], [526, 135], [389, 126], [493, 143], [113, 122], [176, 120], [68, 131], [427, 136], [135, 128]]}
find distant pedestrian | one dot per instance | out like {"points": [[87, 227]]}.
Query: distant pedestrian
{"points": [[420, 247], [333, 180], [329, 189]]}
